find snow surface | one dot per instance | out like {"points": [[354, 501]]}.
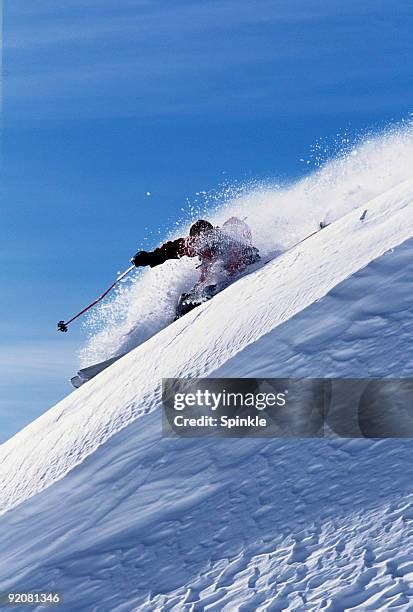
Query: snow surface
{"points": [[97, 505]]}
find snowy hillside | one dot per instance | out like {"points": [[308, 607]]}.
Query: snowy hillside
{"points": [[205, 340], [97, 505]]}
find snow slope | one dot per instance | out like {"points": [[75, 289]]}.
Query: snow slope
{"points": [[69, 432], [101, 507]]}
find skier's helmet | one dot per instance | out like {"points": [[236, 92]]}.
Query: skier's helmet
{"points": [[199, 227]]}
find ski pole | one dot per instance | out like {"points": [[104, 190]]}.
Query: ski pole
{"points": [[63, 325], [322, 225]]}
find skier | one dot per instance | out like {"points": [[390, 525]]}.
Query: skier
{"points": [[223, 252]]}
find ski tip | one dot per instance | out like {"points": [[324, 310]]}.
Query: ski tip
{"points": [[363, 216], [77, 382]]}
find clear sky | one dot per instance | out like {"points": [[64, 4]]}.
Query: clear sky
{"points": [[104, 101]]}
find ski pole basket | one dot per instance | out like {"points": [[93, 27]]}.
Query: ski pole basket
{"points": [[61, 326]]}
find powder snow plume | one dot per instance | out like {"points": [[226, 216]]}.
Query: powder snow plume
{"points": [[279, 216]]}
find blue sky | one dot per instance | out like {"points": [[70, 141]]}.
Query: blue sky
{"points": [[104, 101]]}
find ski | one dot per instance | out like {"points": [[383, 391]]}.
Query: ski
{"points": [[90, 372]]}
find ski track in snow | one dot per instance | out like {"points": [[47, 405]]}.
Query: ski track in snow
{"points": [[97, 505]]}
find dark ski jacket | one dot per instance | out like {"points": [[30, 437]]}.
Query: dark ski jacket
{"points": [[217, 245]]}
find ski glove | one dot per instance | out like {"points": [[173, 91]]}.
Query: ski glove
{"points": [[142, 258]]}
